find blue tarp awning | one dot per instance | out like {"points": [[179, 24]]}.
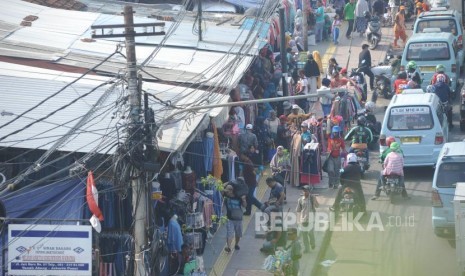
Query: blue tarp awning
{"points": [[58, 201]]}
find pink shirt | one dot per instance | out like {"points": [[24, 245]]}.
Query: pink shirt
{"points": [[394, 164]]}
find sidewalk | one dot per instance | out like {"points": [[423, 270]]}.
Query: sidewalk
{"points": [[249, 260]]}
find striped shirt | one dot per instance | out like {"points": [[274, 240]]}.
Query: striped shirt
{"points": [[394, 164]]}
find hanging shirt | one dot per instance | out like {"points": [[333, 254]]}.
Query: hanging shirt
{"points": [[175, 240]]}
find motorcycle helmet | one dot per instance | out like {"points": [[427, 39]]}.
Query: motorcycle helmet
{"points": [[361, 121], [440, 68], [441, 78], [411, 65], [402, 75], [390, 140], [351, 158], [430, 89], [394, 146], [370, 107], [335, 129]]}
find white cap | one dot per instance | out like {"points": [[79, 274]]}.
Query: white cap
{"points": [[249, 126], [294, 106]]}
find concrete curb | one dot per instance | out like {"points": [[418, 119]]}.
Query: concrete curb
{"points": [[321, 252]]}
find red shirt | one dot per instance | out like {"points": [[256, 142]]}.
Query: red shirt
{"points": [[400, 85], [335, 145]]}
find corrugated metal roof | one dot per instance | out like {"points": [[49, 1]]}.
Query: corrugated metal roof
{"points": [[23, 87]]}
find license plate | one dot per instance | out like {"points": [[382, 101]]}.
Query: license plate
{"points": [[428, 69], [410, 140], [348, 200]]}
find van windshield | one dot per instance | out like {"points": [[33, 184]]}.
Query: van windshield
{"points": [[428, 51], [410, 118], [446, 25], [449, 174]]}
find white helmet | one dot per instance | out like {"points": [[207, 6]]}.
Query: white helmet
{"points": [[370, 107], [351, 158]]}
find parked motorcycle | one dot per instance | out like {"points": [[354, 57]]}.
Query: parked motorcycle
{"points": [[349, 203], [382, 87], [373, 32], [392, 186]]}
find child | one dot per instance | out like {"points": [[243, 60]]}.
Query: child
{"points": [[336, 27]]}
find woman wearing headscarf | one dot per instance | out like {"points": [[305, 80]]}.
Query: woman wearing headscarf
{"points": [[317, 58]]}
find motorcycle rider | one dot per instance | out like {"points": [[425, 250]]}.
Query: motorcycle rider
{"points": [[439, 70], [393, 165], [369, 112], [413, 72], [401, 82], [351, 177], [442, 90], [382, 157], [364, 64], [361, 136]]}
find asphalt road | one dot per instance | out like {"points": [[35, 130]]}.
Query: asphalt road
{"points": [[404, 242]]}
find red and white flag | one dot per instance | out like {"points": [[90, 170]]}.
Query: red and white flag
{"points": [[92, 201]]}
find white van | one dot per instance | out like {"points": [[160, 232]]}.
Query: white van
{"points": [[450, 169], [418, 122], [430, 49]]}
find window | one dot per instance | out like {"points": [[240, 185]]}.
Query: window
{"points": [[428, 51], [450, 173], [410, 118], [446, 25]]}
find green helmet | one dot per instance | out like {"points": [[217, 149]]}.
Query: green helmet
{"points": [[394, 146], [440, 68], [411, 65]]}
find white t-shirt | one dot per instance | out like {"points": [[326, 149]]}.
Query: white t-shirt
{"points": [[304, 84], [240, 116]]}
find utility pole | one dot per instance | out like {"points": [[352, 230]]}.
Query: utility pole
{"points": [[138, 186], [200, 19], [283, 51], [305, 8]]}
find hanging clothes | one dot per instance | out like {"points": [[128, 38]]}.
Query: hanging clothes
{"points": [[208, 145], [232, 158], [193, 157], [310, 165], [189, 181], [177, 178], [296, 149], [174, 240], [217, 162]]}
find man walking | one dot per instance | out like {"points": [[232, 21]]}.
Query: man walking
{"points": [[399, 26], [234, 214], [360, 21], [312, 72], [306, 206], [364, 64], [349, 13], [320, 21]]}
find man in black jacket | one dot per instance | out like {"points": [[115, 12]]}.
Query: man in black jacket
{"points": [[364, 64], [312, 72], [351, 177]]}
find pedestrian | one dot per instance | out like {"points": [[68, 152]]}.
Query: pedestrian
{"points": [[276, 199], [306, 207], [327, 28], [326, 96], [296, 251], [336, 28], [248, 139], [339, 7], [333, 67], [399, 26], [295, 119], [361, 8], [283, 133], [280, 164], [320, 21], [336, 147], [394, 5], [272, 123], [302, 89], [250, 179], [378, 8], [234, 214], [364, 64], [349, 15], [312, 72], [338, 81]]}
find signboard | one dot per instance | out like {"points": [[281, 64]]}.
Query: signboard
{"points": [[428, 45], [409, 110], [49, 249]]}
